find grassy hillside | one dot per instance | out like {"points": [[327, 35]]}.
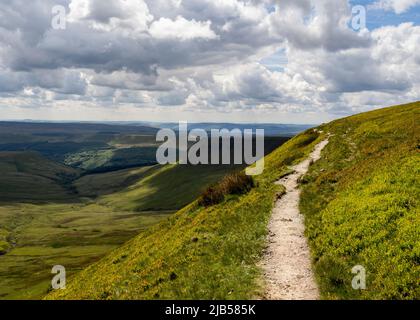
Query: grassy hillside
{"points": [[361, 207], [361, 203], [94, 147], [42, 224], [197, 253], [37, 237], [167, 187], [98, 184], [28, 176]]}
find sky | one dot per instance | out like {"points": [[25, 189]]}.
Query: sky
{"points": [[272, 61]]}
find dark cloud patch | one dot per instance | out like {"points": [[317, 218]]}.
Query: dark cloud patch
{"points": [[357, 71], [103, 11], [60, 81]]}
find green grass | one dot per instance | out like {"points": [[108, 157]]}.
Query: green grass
{"points": [[73, 235], [28, 176], [89, 159], [53, 214], [361, 207], [94, 185], [110, 158], [76, 231], [202, 253], [167, 188], [360, 203], [61, 141]]}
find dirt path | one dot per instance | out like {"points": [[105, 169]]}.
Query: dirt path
{"points": [[287, 262]]}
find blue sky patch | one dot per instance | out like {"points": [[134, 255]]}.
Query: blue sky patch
{"points": [[377, 18]]}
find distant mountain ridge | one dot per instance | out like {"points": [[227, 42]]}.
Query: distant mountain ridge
{"points": [[271, 129], [287, 130]]}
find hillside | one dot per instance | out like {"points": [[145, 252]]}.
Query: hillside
{"points": [[361, 203], [361, 207], [28, 176], [89, 146], [167, 188], [47, 218]]}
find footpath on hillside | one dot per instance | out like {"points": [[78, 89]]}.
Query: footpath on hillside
{"points": [[287, 262]]}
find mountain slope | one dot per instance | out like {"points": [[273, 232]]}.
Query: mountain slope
{"points": [[361, 205], [361, 208], [167, 187], [76, 231], [197, 253], [28, 176]]}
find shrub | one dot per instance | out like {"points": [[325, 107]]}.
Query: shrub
{"points": [[57, 245], [213, 195], [4, 247], [235, 183], [309, 137]]}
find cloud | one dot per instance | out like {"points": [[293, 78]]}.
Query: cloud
{"points": [[324, 25], [181, 29], [60, 81], [399, 6], [226, 56]]}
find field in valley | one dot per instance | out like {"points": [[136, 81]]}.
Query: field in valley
{"points": [[104, 211]]}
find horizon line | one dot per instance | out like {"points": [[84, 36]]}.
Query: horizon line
{"points": [[153, 122]]}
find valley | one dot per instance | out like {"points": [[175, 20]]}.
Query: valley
{"points": [[72, 206]]}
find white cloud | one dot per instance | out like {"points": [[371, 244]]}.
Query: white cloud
{"points": [[229, 58], [182, 29], [399, 6], [122, 15]]}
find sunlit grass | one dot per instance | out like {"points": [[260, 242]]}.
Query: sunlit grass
{"points": [[361, 205]]}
